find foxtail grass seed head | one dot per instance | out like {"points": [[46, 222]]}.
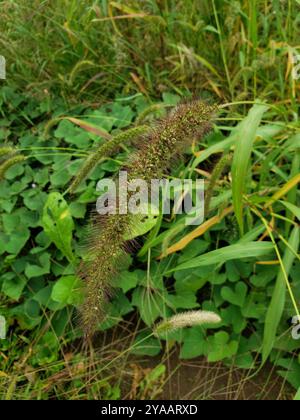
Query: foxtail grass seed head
{"points": [[170, 138], [10, 162], [105, 150], [4, 150], [186, 319], [156, 155]]}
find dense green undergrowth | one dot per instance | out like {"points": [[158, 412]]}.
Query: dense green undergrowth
{"points": [[218, 270]]}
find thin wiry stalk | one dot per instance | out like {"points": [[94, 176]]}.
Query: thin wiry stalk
{"points": [[215, 176]]}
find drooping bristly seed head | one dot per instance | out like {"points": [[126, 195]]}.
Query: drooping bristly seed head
{"points": [[10, 162], [104, 151], [4, 150], [156, 155], [186, 319], [169, 138]]}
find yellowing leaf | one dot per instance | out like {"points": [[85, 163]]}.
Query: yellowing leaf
{"points": [[66, 213], [199, 231], [284, 190], [91, 128]]}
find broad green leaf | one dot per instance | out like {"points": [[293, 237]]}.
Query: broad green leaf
{"points": [[27, 314], [263, 276], [170, 98], [127, 280], [244, 359], [77, 210], [68, 290], [232, 252], [246, 132], [36, 270], [58, 224], [123, 115], [116, 310], [17, 240], [277, 304], [237, 296], [232, 316], [255, 306], [13, 285], [221, 347], [72, 135], [141, 224], [191, 280], [194, 343], [14, 171], [184, 300]]}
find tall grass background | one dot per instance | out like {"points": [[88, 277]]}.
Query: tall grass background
{"points": [[231, 50]]}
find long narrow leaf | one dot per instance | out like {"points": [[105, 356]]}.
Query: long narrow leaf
{"points": [[91, 128], [292, 208], [231, 252], [246, 131], [276, 307]]}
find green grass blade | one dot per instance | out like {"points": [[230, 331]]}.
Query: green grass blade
{"points": [[232, 252], [276, 307], [219, 147], [246, 131], [292, 208]]}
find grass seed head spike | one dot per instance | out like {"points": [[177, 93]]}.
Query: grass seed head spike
{"points": [[10, 162], [167, 140], [103, 151], [5, 150], [186, 319]]}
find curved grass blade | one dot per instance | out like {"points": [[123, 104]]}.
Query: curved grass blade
{"points": [[231, 252], [246, 132], [276, 307]]}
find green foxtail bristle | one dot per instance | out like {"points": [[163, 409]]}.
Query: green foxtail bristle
{"points": [[185, 319], [10, 162], [4, 150], [103, 151]]}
